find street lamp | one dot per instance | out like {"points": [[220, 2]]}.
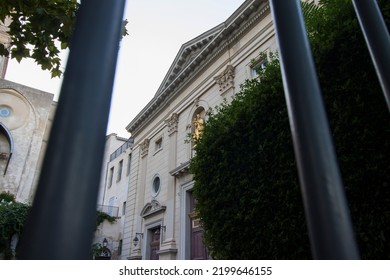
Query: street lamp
{"points": [[105, 242], [136, 240]]}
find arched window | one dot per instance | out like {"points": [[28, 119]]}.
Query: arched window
{"points": [[6, 146]]}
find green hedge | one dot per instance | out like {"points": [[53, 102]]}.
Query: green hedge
{"points": [[245, 175], [13, 216]]}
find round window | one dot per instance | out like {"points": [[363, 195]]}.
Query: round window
{"points": [[5, 111], [156, 186]]}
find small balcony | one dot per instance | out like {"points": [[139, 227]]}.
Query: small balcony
{"points": [[109, 210]]}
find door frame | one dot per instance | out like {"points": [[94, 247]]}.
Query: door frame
{"points": [[148, 236]]}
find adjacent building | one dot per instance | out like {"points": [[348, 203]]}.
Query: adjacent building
{"points": [[26, 115], [5, 40], [113, 194], [160, 221]]}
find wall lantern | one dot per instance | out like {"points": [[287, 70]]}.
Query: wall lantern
{"points": [[105, 243], [136, 240]]}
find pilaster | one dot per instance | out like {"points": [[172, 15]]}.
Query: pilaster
{"points": [[168, 249], [135, 252]]}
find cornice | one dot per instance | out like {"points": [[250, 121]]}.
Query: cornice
{"points": [[181, 169], [211, 46], [187, 53]]}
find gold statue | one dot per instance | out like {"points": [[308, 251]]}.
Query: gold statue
{"points": [[198, 127]]}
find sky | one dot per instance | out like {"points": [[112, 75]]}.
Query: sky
{"points": [[157, 29]]}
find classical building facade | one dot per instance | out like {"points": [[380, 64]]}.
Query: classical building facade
{"points": [[160, 219], [26, 116]]}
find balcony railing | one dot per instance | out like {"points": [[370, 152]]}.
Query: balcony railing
{"points": [[113, 211], [121, 149]]}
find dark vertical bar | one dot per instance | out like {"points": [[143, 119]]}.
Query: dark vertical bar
{"points": [[63, 216], [327, 214], [377, 39]]}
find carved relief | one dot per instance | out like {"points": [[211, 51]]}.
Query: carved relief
{"points": [[226, 79], [144, 147], [196, 102], [172, 123], [153, 207]]}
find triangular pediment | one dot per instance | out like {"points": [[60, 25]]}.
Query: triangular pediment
{"points": [[187, 53], [197, 53], [152, 208]]}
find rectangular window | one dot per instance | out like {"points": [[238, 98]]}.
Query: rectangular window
{"points": [[110, 176], [258, 66], [110, 205], [128, 164], [158, 144], [120, 167], [124, 208]]}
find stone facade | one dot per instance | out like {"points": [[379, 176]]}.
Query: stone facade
{"points": [[113, 192], [5, 40], [26, 116], [207, 70]]}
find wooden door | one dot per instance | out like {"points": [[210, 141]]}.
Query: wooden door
{"points": [[155, 244], [198, 249]]}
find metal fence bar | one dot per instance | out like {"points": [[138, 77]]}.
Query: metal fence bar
{"points": [[63, 216], [327, 214], [378, 40]]}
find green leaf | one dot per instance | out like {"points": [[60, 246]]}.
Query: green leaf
{"points": [[64, 45], [56, 73], [40, 25]]}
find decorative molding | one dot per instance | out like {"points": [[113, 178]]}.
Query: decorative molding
{"points": [[181, 169], [144, 147], [137, 258], [172, 123], [226, 79], [152, 208], [169, 251], [3, 155], [196, 102]]}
